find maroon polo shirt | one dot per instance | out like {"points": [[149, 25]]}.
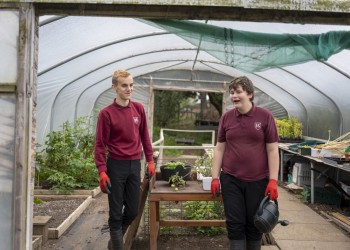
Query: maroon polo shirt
{"points": [[246, 136], [124, 132]]}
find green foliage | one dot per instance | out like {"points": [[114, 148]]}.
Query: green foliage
{"points": [[62, 183], [167, 106], [289, 127], [205, 210], [216, 100], [37, 200], [173, 164], [204, 164], [177, 181], [66, 160]]}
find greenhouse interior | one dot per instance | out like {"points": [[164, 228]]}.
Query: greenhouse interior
{"points": [[59, 69]]}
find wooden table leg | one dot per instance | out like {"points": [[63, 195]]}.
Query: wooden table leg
{"points": [[153, 216]]}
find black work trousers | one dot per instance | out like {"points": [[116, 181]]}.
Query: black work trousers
{"points": [[125, 192], [241, 201]]}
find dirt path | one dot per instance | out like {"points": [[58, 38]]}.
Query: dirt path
{"points": [[86, 234]]}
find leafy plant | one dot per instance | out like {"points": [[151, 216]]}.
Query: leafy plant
{"points": [[37, 200], [204, 164], [174, 164], [289, 127], [177, 181], [205, 210], [66, 160]]}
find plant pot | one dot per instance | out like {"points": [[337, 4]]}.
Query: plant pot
{"points": [[347, 156], [206, 183], [185, 172]]}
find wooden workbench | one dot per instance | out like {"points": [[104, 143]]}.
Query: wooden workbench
{"points": [[161, 191]]}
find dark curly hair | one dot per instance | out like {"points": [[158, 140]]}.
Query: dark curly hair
{"points": [[245, 82]]}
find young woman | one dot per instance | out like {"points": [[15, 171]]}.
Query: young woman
{"points": [[247, 162]]}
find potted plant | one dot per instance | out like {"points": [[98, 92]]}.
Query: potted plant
{"points": [[172, 167], [347, 153], [289, 129], [204, 169]]}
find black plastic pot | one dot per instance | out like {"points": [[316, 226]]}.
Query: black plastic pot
{"points": [[184, 171]]}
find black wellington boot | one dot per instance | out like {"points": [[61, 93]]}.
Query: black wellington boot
{"points": [[253, 244], [116, 241], [237, 244]]}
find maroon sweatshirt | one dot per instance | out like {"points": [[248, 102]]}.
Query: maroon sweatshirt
{"points": [[123, 132]]}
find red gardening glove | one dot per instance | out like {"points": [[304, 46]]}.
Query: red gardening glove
{"points": [[151, 168], [215, 187], [105, 184], [272, 189]]}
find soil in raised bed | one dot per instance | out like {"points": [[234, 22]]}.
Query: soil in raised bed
{"points": [[58, 209]]}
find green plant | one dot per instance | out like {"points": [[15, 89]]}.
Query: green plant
{"points": [[204, 164], [177, 181], [66, 160], [347, 149], [174, 164], [289, 127], [62, 183], [37, 200], [205, 210]]}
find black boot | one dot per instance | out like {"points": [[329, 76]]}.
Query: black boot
{"points": [[253, 244], [116, 241], [237, 244]]}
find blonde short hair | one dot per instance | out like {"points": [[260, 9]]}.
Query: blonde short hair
{"points": [[119, 73]]}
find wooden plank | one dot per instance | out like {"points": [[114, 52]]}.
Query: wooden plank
{"points": [[92, 192], [336, 221], [60, 197], [341, 218], [192, 223], [132, 230]]}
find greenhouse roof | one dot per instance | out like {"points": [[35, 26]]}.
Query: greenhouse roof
{"points": [[77, 56]]}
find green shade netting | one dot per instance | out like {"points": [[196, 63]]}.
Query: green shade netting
{"points": [[253, 51]]}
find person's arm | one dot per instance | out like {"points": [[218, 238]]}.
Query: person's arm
{"points": [[146, 144], [145, 138], [273, 159], [101, 140], [217, 160]]}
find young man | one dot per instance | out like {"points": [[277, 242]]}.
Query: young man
{"points": [[122, 131], [247, 162]]}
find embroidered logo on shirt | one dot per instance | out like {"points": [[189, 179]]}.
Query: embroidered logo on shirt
{"points": [[257, 125], [136, 120]]}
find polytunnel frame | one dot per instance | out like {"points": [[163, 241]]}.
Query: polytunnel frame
{"points": [[23, 105], [341, 119]]}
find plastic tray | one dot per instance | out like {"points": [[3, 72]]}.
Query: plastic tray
{"points": [[337, 160], [310, 143]]}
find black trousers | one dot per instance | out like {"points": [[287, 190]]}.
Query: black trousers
{"points": [[125, 193], [241, 201]]}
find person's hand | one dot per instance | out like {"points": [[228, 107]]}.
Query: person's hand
{"points": [[151, 168], [215, 187], [272, 189], [105, 184]]}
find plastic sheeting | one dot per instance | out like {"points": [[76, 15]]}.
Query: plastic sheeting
{"points": [[77, 56], [7, 156], [8, 46]]}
